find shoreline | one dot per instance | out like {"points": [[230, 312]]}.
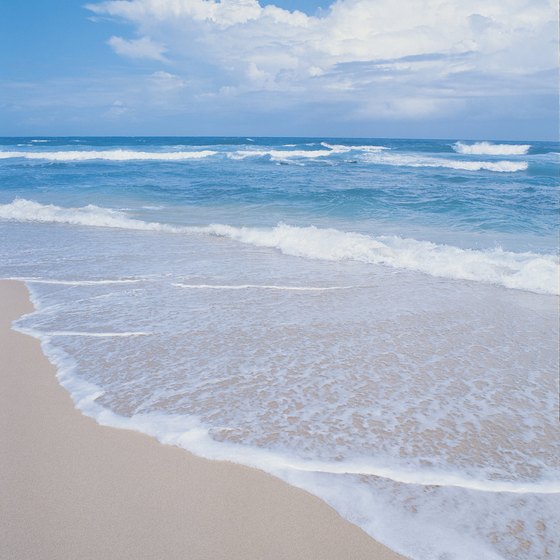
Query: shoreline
{"points": [[75, 489]]}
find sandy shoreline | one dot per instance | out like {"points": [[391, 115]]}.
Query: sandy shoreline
{"points": [[71, 489]]}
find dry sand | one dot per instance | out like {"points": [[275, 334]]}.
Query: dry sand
{"points": [[71, 489]]}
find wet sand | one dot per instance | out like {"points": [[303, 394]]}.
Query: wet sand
{"points": [[71, 489]]}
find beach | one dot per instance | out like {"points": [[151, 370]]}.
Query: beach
{"points": [[74, 489]]}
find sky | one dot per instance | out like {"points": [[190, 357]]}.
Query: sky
{"points": [[463, 69]]}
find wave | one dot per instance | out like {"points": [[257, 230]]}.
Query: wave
{"points": [[524, 271], [109, 155], [489, 149], [415, 161]]}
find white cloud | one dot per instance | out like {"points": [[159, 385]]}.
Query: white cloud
{"points": [[137, 48], [388, 57]]}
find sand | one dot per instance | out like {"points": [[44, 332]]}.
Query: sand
{"points": [[72, 489]]}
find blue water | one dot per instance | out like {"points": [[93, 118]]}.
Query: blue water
{"points": [[374, 320]]}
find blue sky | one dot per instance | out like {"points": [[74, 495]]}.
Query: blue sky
{"points": [[373, 68]]}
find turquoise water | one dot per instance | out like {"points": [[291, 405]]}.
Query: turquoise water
{"points": [[374, 320]]}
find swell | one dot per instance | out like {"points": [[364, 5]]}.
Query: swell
{"points": [[524, 271]]}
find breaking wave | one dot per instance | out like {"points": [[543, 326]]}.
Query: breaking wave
{"points": [[110, 155], [524, 271], [489, 149]]}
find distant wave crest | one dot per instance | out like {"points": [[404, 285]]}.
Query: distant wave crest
{"points": [[525, 271], [489, 149], [110, 155]]}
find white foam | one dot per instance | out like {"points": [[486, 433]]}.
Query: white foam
{"points": [[39, 141], [110, 155], [489, 149], [260, 287]]}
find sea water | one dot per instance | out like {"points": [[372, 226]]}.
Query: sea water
{"points": [[373, 320]]}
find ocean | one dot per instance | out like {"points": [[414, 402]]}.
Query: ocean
{"points": [[373, 320]]}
